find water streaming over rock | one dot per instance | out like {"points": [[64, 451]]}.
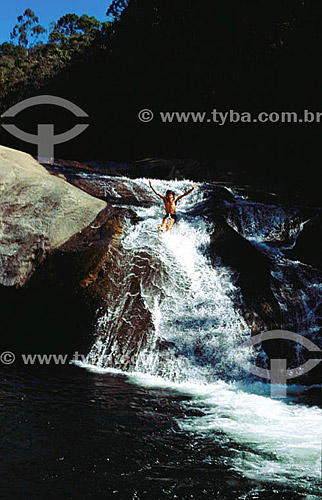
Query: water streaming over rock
{"points": [[194, 325]]}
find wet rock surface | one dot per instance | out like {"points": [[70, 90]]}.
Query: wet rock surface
{"points": [[308, 247], [259, 305]]}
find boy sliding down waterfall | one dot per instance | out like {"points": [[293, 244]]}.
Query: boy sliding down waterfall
{"points": [[170, 201]]}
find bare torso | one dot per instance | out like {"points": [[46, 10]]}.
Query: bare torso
{"points": [[170, 206]]}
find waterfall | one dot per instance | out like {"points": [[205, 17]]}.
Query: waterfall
{"points": [[190, 301], [196, 328]]}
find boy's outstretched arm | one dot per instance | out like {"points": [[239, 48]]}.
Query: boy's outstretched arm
{"points": [[156, 192], [187, 192]]}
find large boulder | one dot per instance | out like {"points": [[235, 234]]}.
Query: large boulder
{"points": [[56, 310], [55, 248], [38, 213], [64, 269]]}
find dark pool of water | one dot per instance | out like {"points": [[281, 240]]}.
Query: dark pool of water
{"points": [[70, 434]]}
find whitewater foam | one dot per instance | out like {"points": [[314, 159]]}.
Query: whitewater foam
{"points": [[193, 308]]}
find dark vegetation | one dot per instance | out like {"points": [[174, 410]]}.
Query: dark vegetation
{"points": [[27, 63], [253, 56]]}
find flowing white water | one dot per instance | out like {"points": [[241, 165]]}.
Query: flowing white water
{"points": [[274, 229], [193, 307]]}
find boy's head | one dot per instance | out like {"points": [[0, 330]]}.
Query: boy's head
{"points": [[170, 195]]}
